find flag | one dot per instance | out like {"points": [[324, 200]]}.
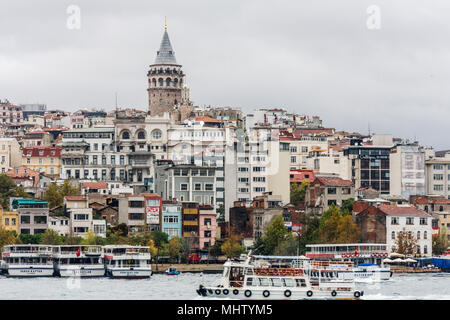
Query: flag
{"points": [[78, 252]]}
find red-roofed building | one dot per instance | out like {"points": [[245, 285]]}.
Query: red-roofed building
{"points": [[94, 187], [300, 175], [383, 223], [45, 159], [325, 191], [439, 208]]}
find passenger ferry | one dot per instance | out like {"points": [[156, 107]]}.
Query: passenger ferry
{"points": [[371, 272], [129, 262], [28, 260], [284, 277], [78, 261]]}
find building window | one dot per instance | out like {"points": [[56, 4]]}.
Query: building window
{"points": [[156, 134], [425, 235], [198, 187], [209, 187], [125, 135], [418, 235], [183, 187], [331, 190], [423, 221], [409, 220], [394, 220], [393, 235]]}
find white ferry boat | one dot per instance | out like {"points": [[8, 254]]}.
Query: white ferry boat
{"points": [[283, 277], [28, 260], [78, 261], [124, 261], [371, 272]]}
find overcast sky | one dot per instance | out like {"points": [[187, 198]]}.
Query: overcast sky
{"points": [[314, 57]]}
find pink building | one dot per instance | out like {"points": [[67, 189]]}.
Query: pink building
{"points": [[207, 226]]}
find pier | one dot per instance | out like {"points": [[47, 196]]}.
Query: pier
{"points": [[193, 267]]}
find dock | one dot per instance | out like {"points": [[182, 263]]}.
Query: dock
{"points": [[191, 267], [403, 269]]}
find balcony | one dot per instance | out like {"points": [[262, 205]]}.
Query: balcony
{"points": [[190, 234], [190, 222]]}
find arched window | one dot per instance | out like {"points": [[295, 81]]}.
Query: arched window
{"points": [[125, 135], [156, 134], [141, 135], [161, 82], [425, 235], [154, 82], [175, 83], [168, 81], [393, 235], [418, 234]]}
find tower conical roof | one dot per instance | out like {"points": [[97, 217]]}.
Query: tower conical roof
{"points": [[165, 55]]}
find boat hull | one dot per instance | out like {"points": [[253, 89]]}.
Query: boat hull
{"points": [[275, 294], [129, 273], [372, 275], [30, 271], [84, 271]]}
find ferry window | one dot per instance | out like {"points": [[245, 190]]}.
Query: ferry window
{"points": [[289, 282], [300, 282], [264, 282], [276, 282], [250, 282]]}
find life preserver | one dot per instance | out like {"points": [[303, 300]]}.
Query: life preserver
{"points": [[225, 291], [266, 293], [218, 291], [210, 291], [357, 294], [235, 292], [309, 293], [248, 293], [287, 293], [333, 293]]}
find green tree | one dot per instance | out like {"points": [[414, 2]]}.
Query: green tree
{"points": [[216, 250], [298, 192], [347, 206], [31, 238], [92, 239], [221, 213], [288, 247], [174, 248], [6, 238], [275, 233], [440, 242], [51, 237], [70, 239], [337, 227], [232, 247], [8, 189], [55, 194]]}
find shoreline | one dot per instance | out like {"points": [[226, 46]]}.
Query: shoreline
{"points": [[190, 268]]}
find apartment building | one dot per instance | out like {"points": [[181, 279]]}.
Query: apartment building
{"points": [[33, 215], [79, 213], [326, 191], [9, 220], [44, 159], [9, 154], [9, 113], [383, 223], [207, 226], [190, 224], [171, 219], [437, 173]]}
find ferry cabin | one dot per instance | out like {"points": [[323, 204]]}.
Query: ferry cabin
{"points": [[28, 260], [255, 281], [373, 253], [132, 262], [78, 261]]}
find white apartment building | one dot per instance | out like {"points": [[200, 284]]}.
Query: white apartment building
{"points": [[10, 155], [408, 219], [437, 173]]}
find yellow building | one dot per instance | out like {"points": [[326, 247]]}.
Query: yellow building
{"points": [[45, 159], [9, 220]]}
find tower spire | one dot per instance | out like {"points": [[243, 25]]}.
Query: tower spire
{"points": [[165, 23]]}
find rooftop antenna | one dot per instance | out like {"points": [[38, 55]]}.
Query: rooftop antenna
{"points": [[369, 127], [116, 102], [165, 23]]}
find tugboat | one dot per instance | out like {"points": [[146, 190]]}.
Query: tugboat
{"points": [[172, 271], [284, 277]]}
